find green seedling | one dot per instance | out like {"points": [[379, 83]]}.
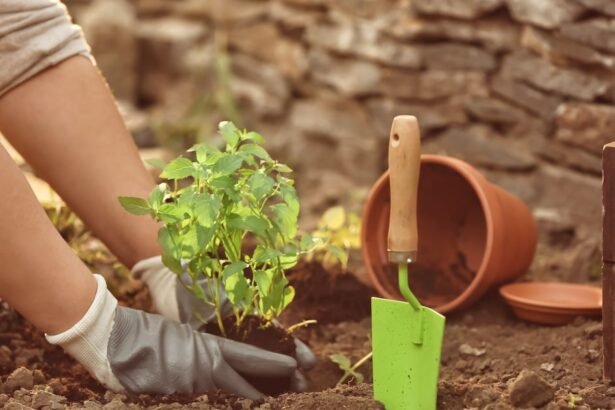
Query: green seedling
{"points": [[573, 400], [350, 370], [216, 203], [337, 234]]}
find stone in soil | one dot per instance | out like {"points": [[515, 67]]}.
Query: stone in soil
{"points": [[530, 390]]}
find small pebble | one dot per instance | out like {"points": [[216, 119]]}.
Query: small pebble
{"points": [[471, 351]]}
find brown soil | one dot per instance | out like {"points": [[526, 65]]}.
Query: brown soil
{"points": [[255, 331], [327, 298], [487, 353]]}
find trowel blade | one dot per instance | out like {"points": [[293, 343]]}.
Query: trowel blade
{"points": [[405, 373]]}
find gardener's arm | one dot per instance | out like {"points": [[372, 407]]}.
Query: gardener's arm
{"points": [[57, 111]]}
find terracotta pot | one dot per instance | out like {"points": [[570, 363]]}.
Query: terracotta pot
{"points": [[473, 236]]}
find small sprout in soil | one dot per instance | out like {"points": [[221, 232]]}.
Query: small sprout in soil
{"points": [[214, 205], [573, 400], [338, 232], [350, 370]]}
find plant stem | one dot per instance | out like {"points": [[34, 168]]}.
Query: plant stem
{"points": [[301, 324], [358, 364], [218, 308]]}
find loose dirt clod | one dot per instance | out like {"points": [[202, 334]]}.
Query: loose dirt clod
{"points": [[530, 390], [47, 400], [20, 378], [5, 356], [593, 330]]}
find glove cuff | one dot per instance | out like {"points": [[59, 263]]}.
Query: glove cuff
{"points": [[162, 285], [87, 340], [146, 265]]}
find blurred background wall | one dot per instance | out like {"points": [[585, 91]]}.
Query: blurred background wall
{"points": [[523, 89]]}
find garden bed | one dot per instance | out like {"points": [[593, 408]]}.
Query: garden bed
{"points": [[485, 352]]}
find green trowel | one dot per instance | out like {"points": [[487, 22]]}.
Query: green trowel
{"points": [[406, 336]]}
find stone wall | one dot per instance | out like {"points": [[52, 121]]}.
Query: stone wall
{"points": [[523, 89]]}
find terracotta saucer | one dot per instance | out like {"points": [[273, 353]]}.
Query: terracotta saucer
{"points": [[552, 302]]}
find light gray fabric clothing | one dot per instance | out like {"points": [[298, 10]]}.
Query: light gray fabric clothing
{"points": [[35, 35]]}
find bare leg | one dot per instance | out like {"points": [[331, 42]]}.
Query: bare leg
{"points": [[64, 121], [40, 275]]}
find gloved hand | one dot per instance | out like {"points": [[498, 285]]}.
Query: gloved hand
{"points": [[137, 352], [172, 300]]}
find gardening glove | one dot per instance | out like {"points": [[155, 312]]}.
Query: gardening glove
{"points": [[172, 300], [136, 352]]}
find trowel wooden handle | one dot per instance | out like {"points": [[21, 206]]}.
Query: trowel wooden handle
{"points": [[404, 167]]}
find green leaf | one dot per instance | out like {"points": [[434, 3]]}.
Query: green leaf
{"points": [[255, 150], [309, 243], [170, 240], [263, 279], [288, 296], [173, 264], [237, 289], [345, 365], [170, 213], [233, 268], [228, 164], [206, 208], [285, 219], [261, 185], [157, 163], [338, 254], [262, 255], [282, 168], [249, 223], [136, 206], [203, 152], [333, 218], [230, 133], [254, 136], [341, 360], [289, 196], [288, 261], [214, 157], [225, 183], [156, 197], [194, 240], [179, 168]]}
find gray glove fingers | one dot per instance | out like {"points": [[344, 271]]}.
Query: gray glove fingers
{"points": [[251, 360], [149, 354], [305, 357], [229, 380], [298, 382]]}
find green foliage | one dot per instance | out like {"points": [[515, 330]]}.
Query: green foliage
{"points": [[338, 232], [232, 194], [350, 370]]}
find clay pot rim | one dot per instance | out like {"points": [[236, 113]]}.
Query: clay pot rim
{"points": [[477, 182], [508, 292]]}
